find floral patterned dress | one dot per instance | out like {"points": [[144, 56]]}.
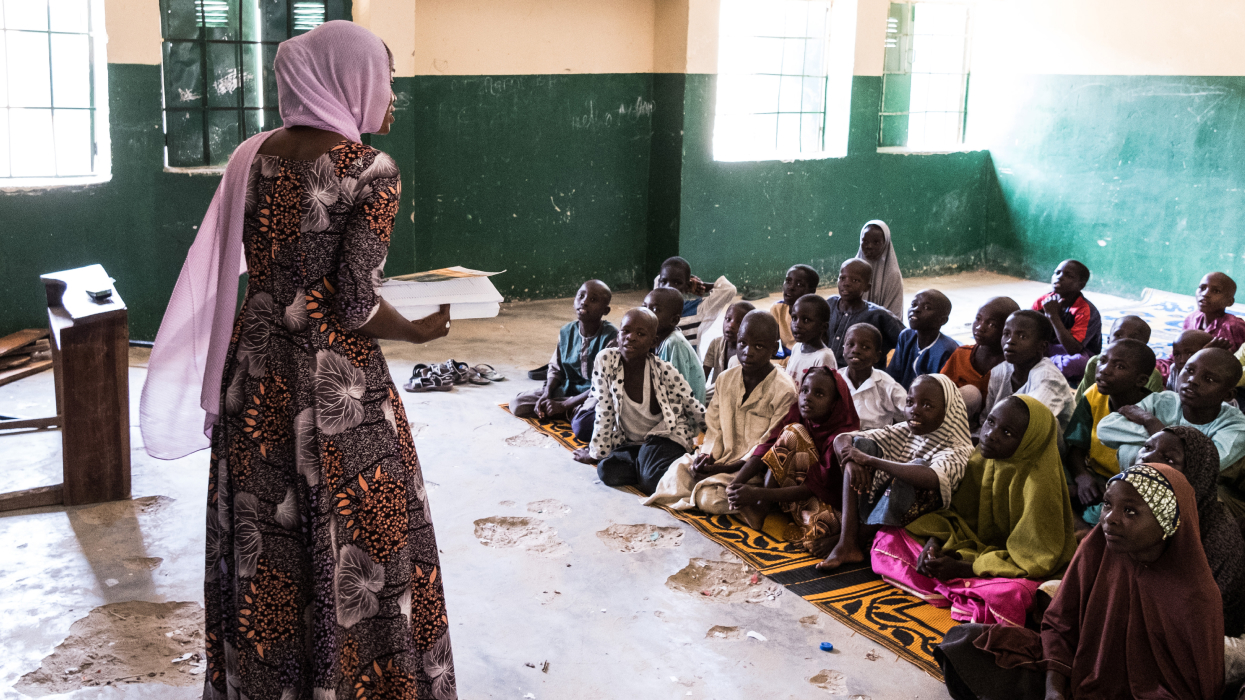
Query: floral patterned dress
{"points": [[322, 579]]}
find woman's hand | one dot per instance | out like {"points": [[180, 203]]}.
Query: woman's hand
{"points": [[432, 327]]}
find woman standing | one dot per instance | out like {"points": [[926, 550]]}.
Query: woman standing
{"points": [[322, 576]]}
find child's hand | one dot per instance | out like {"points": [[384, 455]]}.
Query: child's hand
{"points": [[1136, 414], [946, 568], [544, 407], [860, 458], [738, 495], [1088, 489], [842, 447], [700, 289], [584, 456], [861, 477], [1221, 343], [931, 550], [1052, 307]]}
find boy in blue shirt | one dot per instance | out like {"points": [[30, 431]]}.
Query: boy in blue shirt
{"points": [[922, 348], [569, 381]]}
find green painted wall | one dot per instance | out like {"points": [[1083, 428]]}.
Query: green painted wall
{"points": [[1140, 177], [751, 221]]}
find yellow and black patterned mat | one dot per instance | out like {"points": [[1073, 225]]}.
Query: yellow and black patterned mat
{"points": [[853, 594]]}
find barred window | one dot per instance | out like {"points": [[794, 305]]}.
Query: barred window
{"points": [[219, 88], [925, 77], [53, 73]]}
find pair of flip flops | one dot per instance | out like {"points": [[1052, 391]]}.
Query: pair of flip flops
{"points": [[443, 377]]}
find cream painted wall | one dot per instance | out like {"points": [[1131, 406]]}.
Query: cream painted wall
{"points": [[1109, 37], [670, 34], [394, 22], [133, 28], [517, 37]]}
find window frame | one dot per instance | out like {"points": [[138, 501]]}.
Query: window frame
{"points": [[963, 145], [332, 9], [101, 151]]}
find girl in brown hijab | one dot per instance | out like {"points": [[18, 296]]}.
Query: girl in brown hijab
{"points": [[1138, 614]]}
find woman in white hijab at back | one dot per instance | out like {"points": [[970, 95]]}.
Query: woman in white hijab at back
{"points": [[876, 249], [322, 576]]}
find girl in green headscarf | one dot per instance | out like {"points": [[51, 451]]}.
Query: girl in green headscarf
{"points": [[1010, 522]]}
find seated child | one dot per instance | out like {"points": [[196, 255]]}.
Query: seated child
{"points": [[800, 280], [886, 287], [1008, 527], [802, 476], [1215, 294], [969, 366], [568, 382], [848, 307], [672, 347], [702, 303], [1138, 595], [1193, 454], [878, 398], [922, 348], [1121, 381], [1187, 343], [809, 318], [1207, 381], [1076, 321], [751, 398], [720, 355], [896, 474], [1027, 370], [1134, 328], [646, 416]]}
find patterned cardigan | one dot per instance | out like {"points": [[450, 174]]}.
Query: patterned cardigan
{"points": [[683, 413]]}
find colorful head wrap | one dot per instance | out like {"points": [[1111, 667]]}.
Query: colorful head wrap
{"points": [[1157, 492]]}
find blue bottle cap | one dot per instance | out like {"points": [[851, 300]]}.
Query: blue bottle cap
{"points": [[827, 646]]}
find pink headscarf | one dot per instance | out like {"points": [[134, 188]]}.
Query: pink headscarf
{"points": [[335, 77]]}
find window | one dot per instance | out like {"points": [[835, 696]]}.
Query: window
{"points": [[218, 84], [52, 76], [925, 77], [784, 87]]}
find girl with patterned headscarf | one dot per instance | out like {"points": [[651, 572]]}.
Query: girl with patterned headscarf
{"points": [[1194, 455], [886, 289], [895, 474], [1138, 614]]}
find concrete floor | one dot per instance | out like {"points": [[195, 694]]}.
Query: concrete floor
{"points": [[604, 620]]}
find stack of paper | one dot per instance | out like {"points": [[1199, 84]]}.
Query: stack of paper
{"points": [[469, 293]]}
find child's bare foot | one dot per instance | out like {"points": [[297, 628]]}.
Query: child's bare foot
{"points": [[754, 515], [582, 455], [845, 552]]}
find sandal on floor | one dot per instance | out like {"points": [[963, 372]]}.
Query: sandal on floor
{"points": [[488, 373], [420, 370], [454, 370], [539, 374], [474, 377], [429, 382]]}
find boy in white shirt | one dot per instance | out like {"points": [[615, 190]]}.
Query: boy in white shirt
{"points": [[878, 398], [1027, 370], [810, 316]]}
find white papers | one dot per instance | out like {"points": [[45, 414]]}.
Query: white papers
{"points": [[469, 293]]}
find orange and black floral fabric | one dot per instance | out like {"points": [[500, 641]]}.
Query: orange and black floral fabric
{"points": [[322, 579]]}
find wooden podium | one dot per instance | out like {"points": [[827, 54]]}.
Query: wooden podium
{"points": [[90, 355]]}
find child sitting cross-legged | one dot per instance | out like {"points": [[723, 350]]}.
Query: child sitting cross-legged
{"points": [[969, 365], [801, 474], [894, 475], [568, 384], [646, 416], [1120, 381], [1206, 382], [800, 280], [1076, 323], [720, 355], [1026, 369], [848, 307], [1215, 293], [1007, 528], [702, 303], [923, 348], [878, 398], [667, 305], [809, 318], [1130, 327], [749, 400]]}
